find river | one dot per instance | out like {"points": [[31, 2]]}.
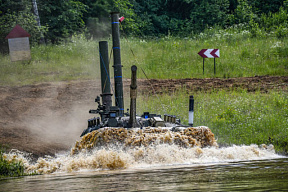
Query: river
{"points": [[235, 168]]}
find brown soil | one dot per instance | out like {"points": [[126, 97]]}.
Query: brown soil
{"points": [[47, 118], [251, 84]]}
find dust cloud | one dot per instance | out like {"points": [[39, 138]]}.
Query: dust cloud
{"points": [[45, 118], [59, 118]]}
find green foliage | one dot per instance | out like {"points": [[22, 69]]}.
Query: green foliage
{"points": [[179, 17], [265, 7], [208, 13], [63, 18], [130, 24], [97, 9], [10, 168], [277, 22], [281, 32], [154, 16], [261, 25], [242, 14], [184, 18], [234, 116], [18, 12], [232, 5], [96, 17]]}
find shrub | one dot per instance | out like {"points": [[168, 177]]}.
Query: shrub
{"points": [[11, 168]]}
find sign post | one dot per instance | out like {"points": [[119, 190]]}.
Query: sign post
{"points": [[203, 64], [210, 53], [214, 66]]}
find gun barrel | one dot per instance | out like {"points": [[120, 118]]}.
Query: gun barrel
{"points": [[133, 96], [117, 63], [105, 77]]}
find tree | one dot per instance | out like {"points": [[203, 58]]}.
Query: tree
{"points": [[243, 13], [14, 12], [264, 6], [126, 9], [207, 13], [180, 16], [63, 18]]}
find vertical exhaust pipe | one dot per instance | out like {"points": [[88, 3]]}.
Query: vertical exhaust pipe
{"points": [[191, 110], [117, 63], [105, 77], [133, 96]]}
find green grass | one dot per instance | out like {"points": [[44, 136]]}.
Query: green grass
{"points": [[10, 168], [71, 61], [178, 58], [163, 58], [234, 116]]}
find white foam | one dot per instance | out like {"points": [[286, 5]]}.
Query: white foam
{"points": [[141, 157]]}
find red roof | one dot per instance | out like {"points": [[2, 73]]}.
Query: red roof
{"points": [[17, 32]]}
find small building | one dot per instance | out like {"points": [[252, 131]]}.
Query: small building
{"points": [[18, 40]]}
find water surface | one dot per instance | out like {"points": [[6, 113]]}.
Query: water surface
{"points": [[255, 175]]}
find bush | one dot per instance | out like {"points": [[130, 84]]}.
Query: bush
{"points": [[9, 17], [281, 32], [11, 168]]}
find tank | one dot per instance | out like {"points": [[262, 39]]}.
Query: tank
{"points": [[114, 116]]}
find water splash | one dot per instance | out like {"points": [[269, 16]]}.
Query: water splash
{"points": [[121, 148], [184, 137]]}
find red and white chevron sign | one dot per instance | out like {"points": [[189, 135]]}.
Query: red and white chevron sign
{"points": [[209, 53]]}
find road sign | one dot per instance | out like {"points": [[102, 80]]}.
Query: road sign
{"points": [[209, 53]]}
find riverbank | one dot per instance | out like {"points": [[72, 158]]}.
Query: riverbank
{"points": [[44, 102], [44, 119], [160, 58]]}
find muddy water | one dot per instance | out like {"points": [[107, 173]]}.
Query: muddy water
{"points": [[153, 160], [257, 175]]}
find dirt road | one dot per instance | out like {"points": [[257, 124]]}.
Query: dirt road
{"points": [[47, 118]]}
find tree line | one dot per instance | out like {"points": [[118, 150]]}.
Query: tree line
{"points": [[63, 18]]}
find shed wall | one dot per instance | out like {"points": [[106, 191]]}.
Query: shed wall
{"points": [[19, 49]]}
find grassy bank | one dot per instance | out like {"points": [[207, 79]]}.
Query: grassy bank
{"points": [[70, 61], [163, 58], [11, 168], [178, 58], [234, 116]]}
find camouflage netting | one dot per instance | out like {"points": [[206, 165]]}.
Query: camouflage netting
{"points": [[188, 137]]}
